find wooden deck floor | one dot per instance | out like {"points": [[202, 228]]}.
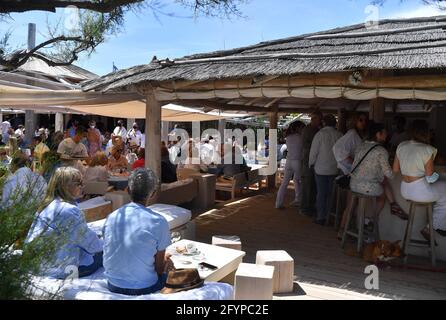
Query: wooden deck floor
{"points": [[322, 269]]}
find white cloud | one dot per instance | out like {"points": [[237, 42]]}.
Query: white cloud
{"points": [[422, 11]]}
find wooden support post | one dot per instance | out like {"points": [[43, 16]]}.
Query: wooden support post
{"points": [[342, 120], [30, 125], [221, 129], [273, 119], [30, 117], [67, 119], [153, 134], [59, 124], [130, 122], [377, 110]]}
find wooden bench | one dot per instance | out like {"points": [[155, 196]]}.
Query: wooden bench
{"points": [[239, 182]]}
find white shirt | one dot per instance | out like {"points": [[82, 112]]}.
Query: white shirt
{"points": [[18, 184], [294, 147], [346, 147], [134, 136], [69, 148], [19, 133], [321, 152], [413, 156], [5, 127], [121, 131]]}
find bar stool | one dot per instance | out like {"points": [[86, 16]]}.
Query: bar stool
{"points": [[408, 241], [361, 199], [336, 199]]}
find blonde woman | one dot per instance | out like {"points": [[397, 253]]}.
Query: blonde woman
{"points": [[97, 169], [60, 219]]}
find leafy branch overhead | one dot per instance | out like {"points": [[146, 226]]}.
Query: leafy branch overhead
{"points": [[93, 22]]}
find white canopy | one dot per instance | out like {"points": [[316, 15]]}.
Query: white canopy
{"points": [[118, 105]]}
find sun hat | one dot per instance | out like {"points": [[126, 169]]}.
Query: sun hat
{"points": [[182, 280]]}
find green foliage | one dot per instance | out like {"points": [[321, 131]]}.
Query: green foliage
{"points": [[19, 262], [92, 24]]}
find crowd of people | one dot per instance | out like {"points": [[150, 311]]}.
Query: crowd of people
{"points": [[318, 154], [53, 174], [133, 254]]}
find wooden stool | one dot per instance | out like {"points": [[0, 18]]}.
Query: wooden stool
{"points": [[283, 265], [408, 235], [362, 201], [230, 242], [337, 200], [253, 282]]}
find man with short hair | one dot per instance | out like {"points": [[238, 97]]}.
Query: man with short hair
{"points": [[308, 193], [135, 241], [72, 147], [325, 166]]}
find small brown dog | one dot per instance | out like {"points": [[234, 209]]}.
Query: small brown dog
{"points": [[382, 251]]}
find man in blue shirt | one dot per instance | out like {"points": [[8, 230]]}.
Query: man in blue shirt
{"points": [[135, 240]]}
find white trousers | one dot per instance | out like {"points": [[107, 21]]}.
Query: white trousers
{"points": [[292, 171], [422, 191]]}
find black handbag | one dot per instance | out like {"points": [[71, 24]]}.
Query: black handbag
{"points": [[343, 181]]}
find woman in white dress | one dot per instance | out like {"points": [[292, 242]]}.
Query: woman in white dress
{"points": [[415, 160], [293, 164]]}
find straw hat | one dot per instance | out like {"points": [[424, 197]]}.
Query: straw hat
{"points": [[182, 280]]}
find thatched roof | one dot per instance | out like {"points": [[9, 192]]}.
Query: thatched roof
{"points": [[406, 44]]}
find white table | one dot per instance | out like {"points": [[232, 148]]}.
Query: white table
{"points": [[227, 260]]}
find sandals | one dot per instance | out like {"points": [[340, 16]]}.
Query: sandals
{"points": [[396, 210]]}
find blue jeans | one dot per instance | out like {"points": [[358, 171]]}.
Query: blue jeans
{"points": [[139, 292], [85, 271], [324, 185]]}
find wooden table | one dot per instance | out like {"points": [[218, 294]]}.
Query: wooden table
{"points": [[227, 260]]}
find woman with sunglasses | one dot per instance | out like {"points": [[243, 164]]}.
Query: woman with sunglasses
{"points": [[60, 220]]}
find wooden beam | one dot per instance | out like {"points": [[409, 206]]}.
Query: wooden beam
{"points": [[262, 80], [377, 110], [251, 102], [153, 135], [273, 101], [370, 80], [235, 107], [342, 120]]}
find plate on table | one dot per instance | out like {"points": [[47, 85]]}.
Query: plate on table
{"points": [[185, 252]]}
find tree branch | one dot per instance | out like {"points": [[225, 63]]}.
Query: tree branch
{"points": [[103, 6]]}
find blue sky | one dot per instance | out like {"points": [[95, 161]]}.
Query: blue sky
{"points": [[144, 36]]}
